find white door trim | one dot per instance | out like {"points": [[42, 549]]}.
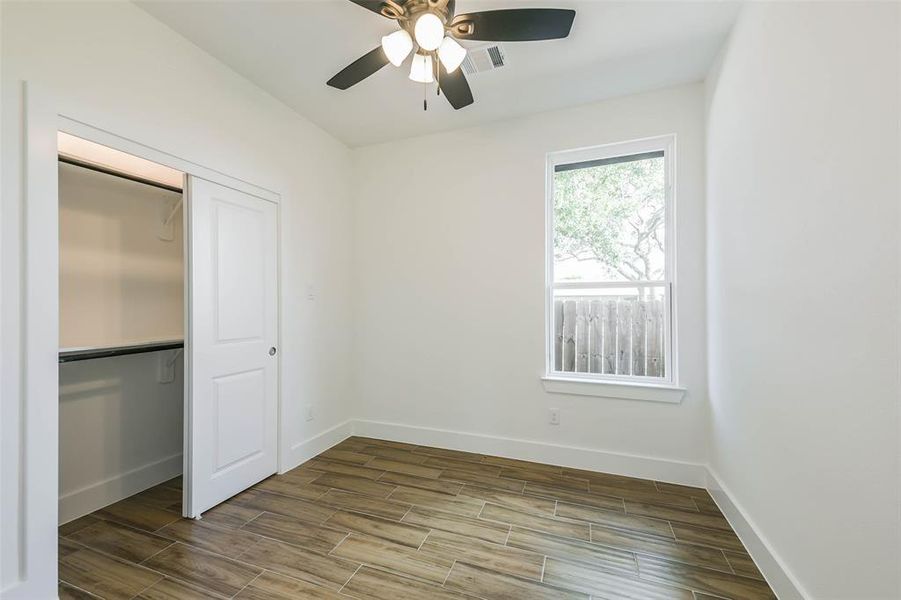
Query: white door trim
{"points": [[38, 397], [117, 142]]}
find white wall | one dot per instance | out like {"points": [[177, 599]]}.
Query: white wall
{"points": [[449, 264], [803, 289], [120, 430], [119, 283], [114, 67]]}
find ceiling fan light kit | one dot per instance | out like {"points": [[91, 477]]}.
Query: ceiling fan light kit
{"points": [[431, 26]]}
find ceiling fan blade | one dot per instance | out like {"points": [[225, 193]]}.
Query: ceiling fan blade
{"points": [[514, 25], [373, 5], [455, 87], [359, 69]]}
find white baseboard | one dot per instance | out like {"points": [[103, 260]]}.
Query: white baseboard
{"points": [[103, 493], [555, 454], [301, 452], [781, 580]]}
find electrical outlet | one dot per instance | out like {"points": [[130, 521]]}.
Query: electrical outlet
{"points": [[309, 412], [554, 416]]}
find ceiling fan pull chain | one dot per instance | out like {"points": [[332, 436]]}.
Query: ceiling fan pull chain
{"points": [[425, 102]]}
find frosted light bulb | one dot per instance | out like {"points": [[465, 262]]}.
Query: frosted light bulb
{"points": [[429, 31]]}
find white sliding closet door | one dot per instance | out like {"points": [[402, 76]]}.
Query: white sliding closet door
{"points": [[232, 389]]}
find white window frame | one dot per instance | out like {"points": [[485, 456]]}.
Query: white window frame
{"points": [[664, 389]]}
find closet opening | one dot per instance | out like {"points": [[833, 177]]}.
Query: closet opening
{"points": [[122, 290]]}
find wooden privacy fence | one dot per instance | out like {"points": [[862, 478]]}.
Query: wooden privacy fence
{"points": [[617, 335]]}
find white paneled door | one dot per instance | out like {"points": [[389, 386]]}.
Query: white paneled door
{"points": [[232, 344]]}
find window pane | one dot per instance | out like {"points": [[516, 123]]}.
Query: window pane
{"points": [[609, 220], [613, 331]]}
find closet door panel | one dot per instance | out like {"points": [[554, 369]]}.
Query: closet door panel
{"points": [[233, 323], [240, 272], [239, 419]]}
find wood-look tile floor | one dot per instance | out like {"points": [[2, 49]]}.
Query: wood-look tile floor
{"points": [[390, 521]]}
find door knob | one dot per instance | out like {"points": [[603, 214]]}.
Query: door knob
{"points": [[272, 351]]}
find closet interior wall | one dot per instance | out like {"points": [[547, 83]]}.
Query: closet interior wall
{"points": [[120, 418]]}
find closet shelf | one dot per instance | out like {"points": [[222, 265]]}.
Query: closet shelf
{"points": [[76, 354]]}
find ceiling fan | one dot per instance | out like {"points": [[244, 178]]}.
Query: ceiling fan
{"points": [[432, 28]]}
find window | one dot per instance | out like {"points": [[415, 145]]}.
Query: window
{"points": [[610, 263]]}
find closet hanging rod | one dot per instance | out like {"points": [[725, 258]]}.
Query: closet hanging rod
{"points": [[66, 356], [86, 165]]}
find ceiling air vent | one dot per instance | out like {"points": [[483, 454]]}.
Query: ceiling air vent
{"points": [[483, 58]]}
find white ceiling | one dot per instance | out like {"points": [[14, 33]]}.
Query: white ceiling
{"points": [[291, 48]]}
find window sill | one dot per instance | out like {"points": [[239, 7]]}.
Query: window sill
{"points": [[649, 392]]}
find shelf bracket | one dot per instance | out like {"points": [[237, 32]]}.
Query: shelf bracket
{"points": [[167, 361], [167, 227]]}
